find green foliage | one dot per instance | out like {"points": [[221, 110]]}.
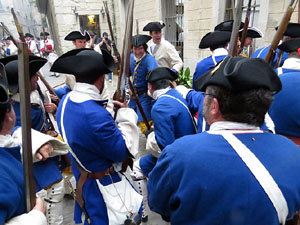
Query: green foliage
{"points": [[184, 78]]}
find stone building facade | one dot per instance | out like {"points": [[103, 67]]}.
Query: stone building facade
{"points": [[187, 21], [27, 13]]}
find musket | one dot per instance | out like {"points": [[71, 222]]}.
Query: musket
{"points": [[19, 28], [235, 29], [245, 28], [5, 29], [113, 43], [280, 31], [24, 90], [124, 75]]}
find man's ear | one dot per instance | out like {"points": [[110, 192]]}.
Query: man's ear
{"points": [[215, 107]]}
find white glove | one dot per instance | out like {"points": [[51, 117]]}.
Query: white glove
{"points": [[183, 90]]}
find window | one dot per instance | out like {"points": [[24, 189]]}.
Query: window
{"points": [[253, 21], [173, 18], [255, 7]]}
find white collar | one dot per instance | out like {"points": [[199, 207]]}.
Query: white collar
{"points": [[227, 125], [160, 92], [140, 59], [7, 141], [83, 92], [291, 63], [219, 51]]}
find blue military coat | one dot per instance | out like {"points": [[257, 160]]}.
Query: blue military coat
{"points": [[205, 65], [138, 71], [262, 53], [12, 195], [45, 172], [96, 141], [172, 120], [200, 179], [285, 110]]}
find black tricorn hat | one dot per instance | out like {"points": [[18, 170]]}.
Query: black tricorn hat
{"points": [[241, 74], [161, 73], [292, 30], [154, 26], [4, 98], [84, 62], [252, 32], [28, 35], [215, 38], [11, 69], [291, 45], [227, 26], [140, 39], [44, 34], [77, 35]]}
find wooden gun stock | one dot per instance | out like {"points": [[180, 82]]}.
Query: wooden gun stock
{"points": [[279, 34]]}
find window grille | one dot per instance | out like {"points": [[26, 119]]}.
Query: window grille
{"points": [[173, 18]]}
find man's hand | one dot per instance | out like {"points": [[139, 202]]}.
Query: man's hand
{"points": [[118, 104], [50, 107], [115, 59], [44, 152], [39, 205]]}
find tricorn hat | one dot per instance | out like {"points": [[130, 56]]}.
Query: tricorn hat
{"points": [[215, 38], [241, 74], [161, 73], [252, 32], [77, 35], [28, 35], [44, 34], [11, 69], [292, 30], [292, 45], [4, 98], [227, 26], [154, 26], [84, 62], [140, 39]]}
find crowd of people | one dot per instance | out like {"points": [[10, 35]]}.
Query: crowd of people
{"points": [[224, 152]]}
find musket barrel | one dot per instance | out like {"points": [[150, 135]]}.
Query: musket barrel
{"points": [[235, 29], [24, 90]]}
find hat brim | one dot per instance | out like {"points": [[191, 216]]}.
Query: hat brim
{"points": [[215, 38]]}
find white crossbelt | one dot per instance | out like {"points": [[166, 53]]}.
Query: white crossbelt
{"points": [[260, 173]]}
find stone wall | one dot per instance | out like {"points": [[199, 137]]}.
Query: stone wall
{"points": [[200, 17]]}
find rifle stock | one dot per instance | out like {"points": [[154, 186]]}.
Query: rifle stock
{"points": [[280, 31]]}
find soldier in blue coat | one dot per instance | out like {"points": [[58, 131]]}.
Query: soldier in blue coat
{"points": [[12, 188], [234, 173], [217, 42], [47, 173], [285, 111], [171, 118], [98, 144], [292, 31], [141, 62]]}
